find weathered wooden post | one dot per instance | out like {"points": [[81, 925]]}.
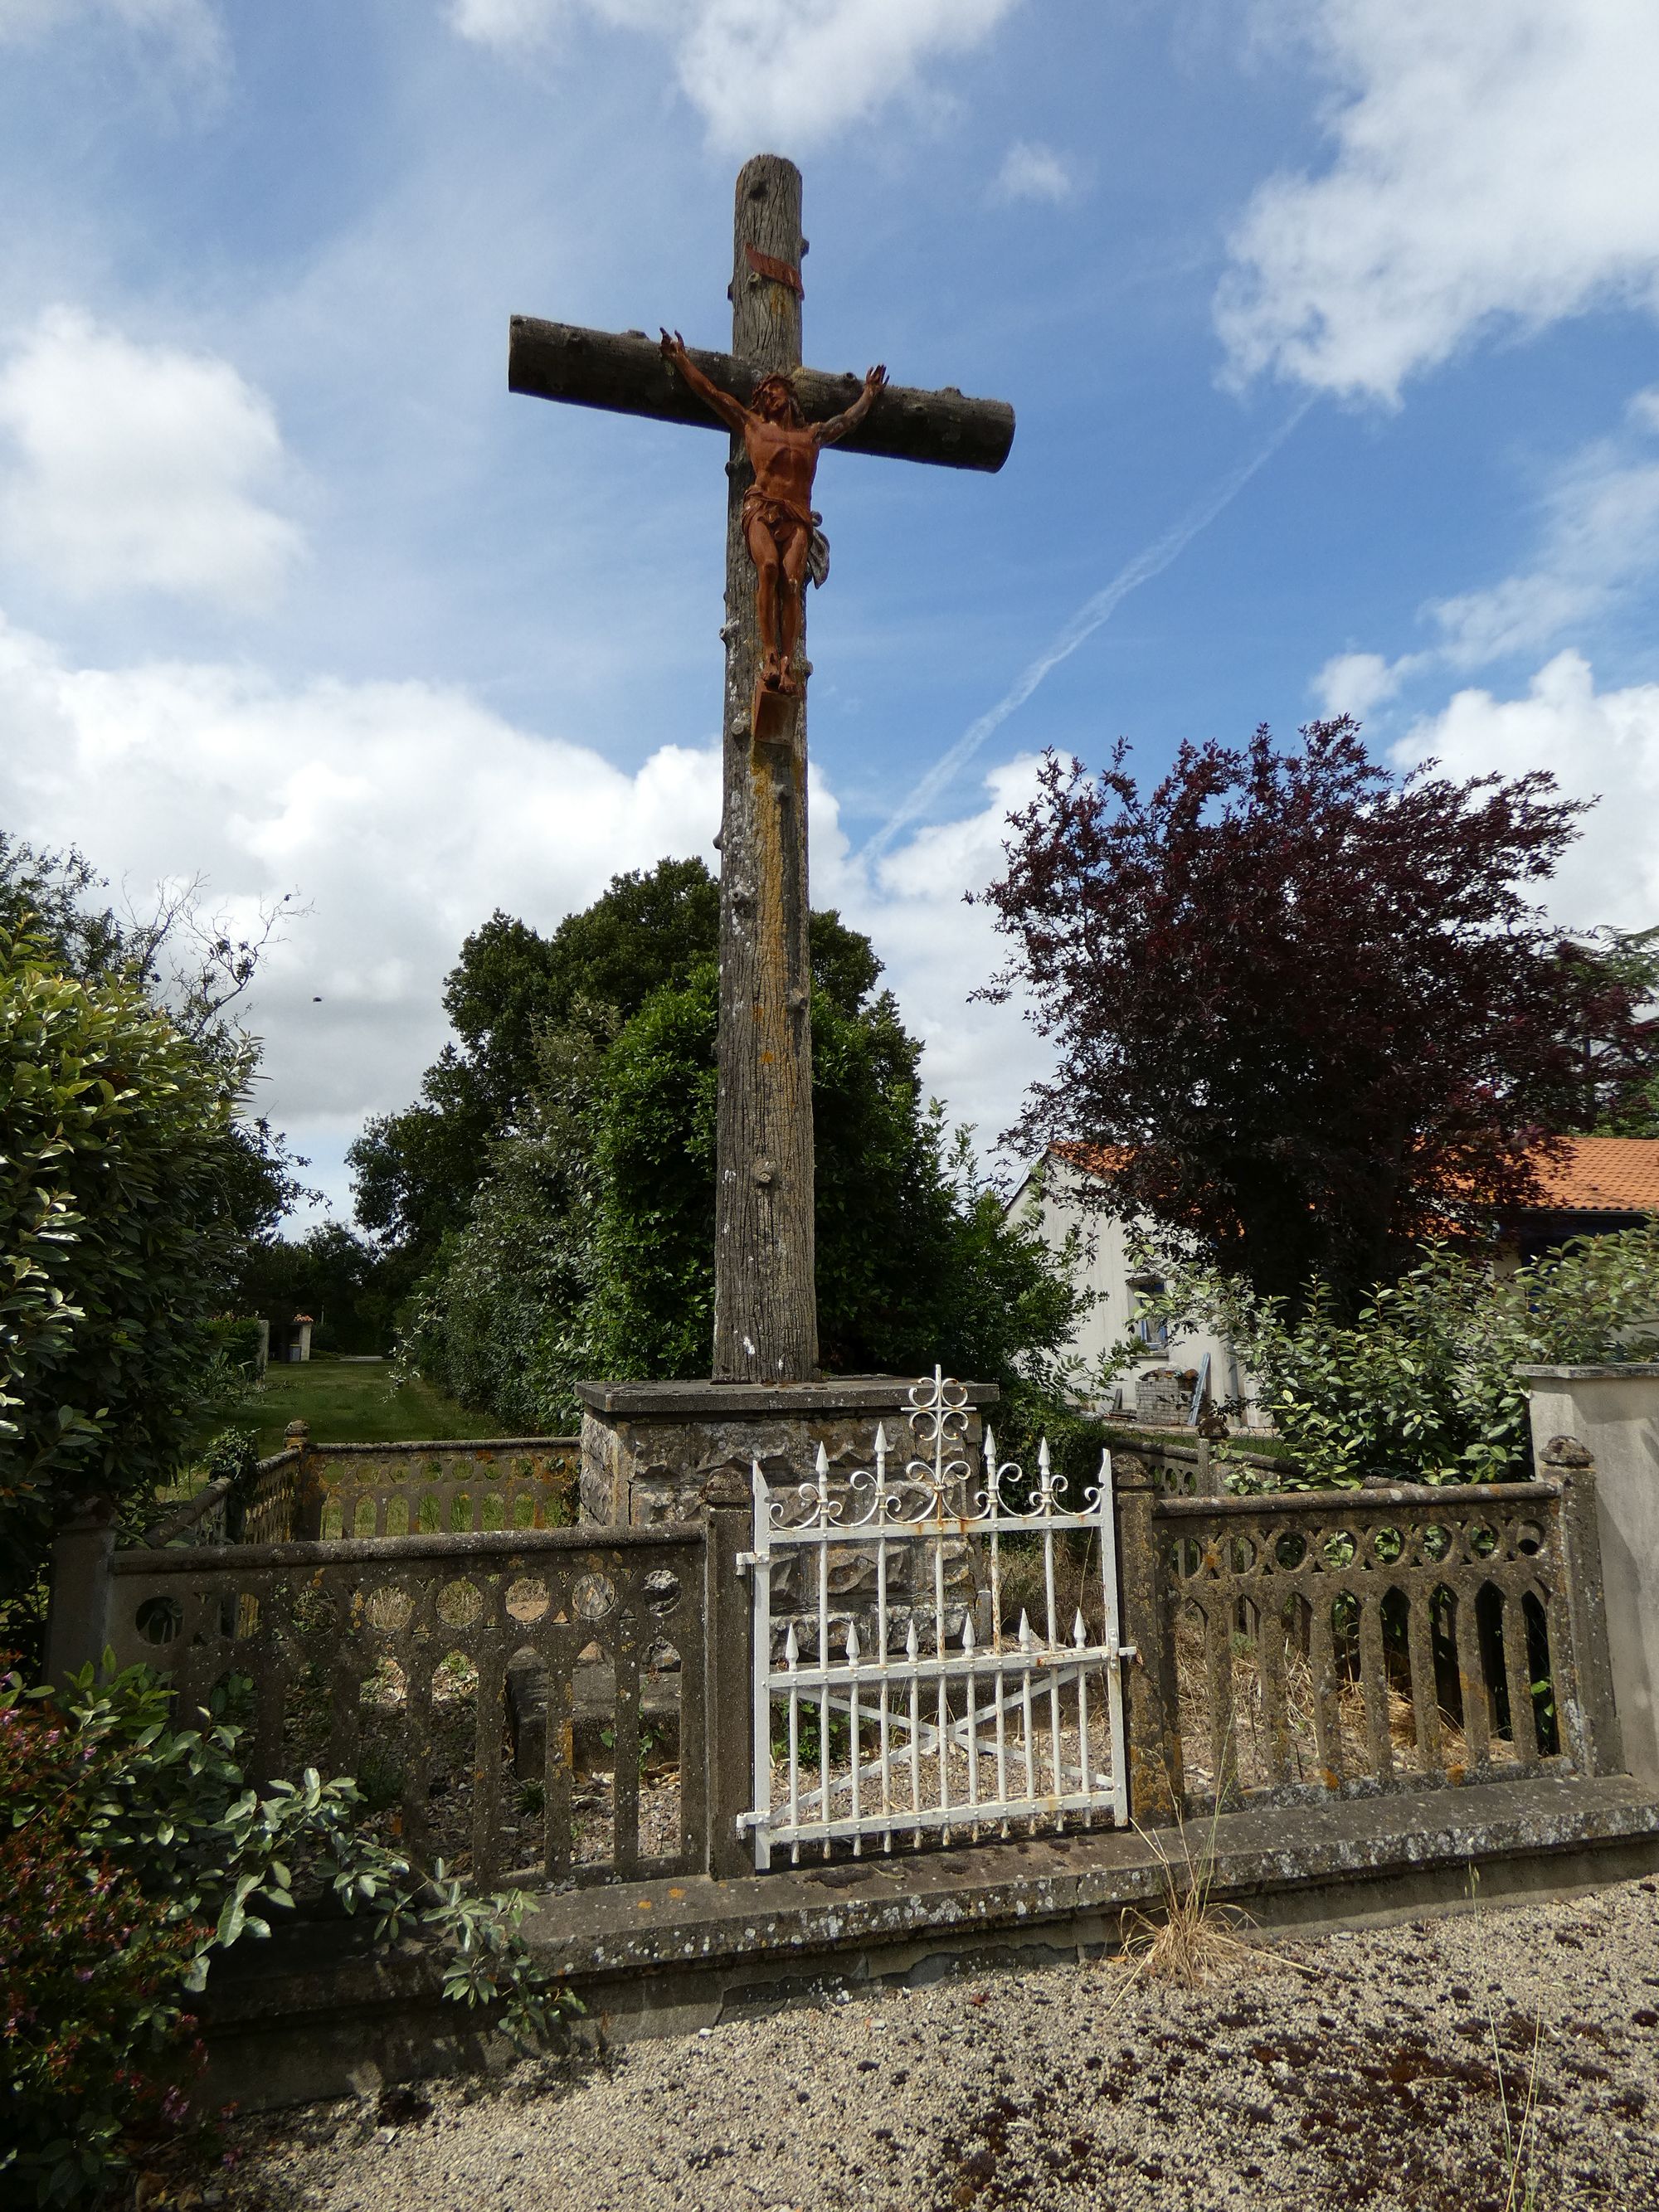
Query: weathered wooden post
{"points": [[766, 1319], [765, 1296]]}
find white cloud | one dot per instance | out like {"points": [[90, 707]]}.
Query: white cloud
{"points": [[1601, 535], [979, 1058], [758, 70], [1599, 539], [138, 465], [190, 29], [1354, 683], [404, 814], [1492, 167], [508, 22], [1594, 742], [1034, 173]]}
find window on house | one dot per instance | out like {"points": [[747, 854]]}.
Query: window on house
{"points": [[1154, 1334]]}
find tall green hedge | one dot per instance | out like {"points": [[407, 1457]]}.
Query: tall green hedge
{"points": [[118, 1171]]}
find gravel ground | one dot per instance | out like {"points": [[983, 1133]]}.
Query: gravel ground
{"points": [[1371, 2070]]}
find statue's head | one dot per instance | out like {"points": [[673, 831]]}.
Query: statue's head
{"points": [[775, 399]]}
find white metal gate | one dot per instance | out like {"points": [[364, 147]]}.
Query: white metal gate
{"points": [[933, 1715]]}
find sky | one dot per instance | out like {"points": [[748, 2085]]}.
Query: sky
{"points": [[1329, 326]]}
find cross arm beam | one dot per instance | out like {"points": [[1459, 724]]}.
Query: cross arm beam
{"points": [[625, 374]]}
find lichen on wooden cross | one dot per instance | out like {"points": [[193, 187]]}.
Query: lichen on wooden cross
{"points": [[765, 1298]]}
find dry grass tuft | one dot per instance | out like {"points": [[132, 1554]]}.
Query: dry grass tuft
{"points": [[1195, 1940]]}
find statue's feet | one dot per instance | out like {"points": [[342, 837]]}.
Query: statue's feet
{"points": [[772, 676]]}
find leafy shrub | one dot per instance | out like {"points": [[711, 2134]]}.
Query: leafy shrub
{"points": [[233, 1457], [238, 1339], [118, 1168], [90, 1971], [1422, 1387], [132, 1851]]}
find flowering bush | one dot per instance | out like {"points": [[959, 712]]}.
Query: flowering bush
{"points": [[95, 2042], [131, 1851]]}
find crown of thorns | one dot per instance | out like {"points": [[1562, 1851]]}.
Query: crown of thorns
{"points": [[777, 380]]}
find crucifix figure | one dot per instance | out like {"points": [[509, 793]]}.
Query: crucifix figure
{"points": [[765, 1298], [779, 524]]}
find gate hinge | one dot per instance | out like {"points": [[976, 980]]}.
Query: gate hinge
{"points": [[1128, 1651], [747, 1559]]}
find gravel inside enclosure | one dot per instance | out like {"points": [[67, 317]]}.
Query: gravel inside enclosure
{"points": [[1372, 2070]]}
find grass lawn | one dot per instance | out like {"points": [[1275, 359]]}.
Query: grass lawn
{"points": [[347, 1401]]}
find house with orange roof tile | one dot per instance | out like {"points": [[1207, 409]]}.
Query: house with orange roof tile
{"points": [[1599, 1184]]}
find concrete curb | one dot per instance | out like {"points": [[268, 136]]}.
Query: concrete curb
{"points": [[317, 2013]]}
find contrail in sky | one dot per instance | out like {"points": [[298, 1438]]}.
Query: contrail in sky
{"points": [[1150, 563]]}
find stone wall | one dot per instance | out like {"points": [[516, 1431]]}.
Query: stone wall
{"points": [[649, 1449]]}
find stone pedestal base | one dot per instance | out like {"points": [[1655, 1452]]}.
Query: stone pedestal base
{"points": [[649, 1449]]}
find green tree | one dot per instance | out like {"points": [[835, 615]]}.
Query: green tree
{"points": [[53, 896], [417, 1173], [1615, 1052], [193, 968], [590, 1247], [119, 1188], [503, 1314], [330, 1272], [1312, 1009]]}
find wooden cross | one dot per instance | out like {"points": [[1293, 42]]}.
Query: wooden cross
{"points": [[765, 1296]]}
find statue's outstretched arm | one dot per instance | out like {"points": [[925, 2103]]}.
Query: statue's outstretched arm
{"points": [[729, 409], [840, 426]]}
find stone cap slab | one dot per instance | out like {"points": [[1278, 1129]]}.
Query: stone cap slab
{"points": [[1613, 1372], [701, 1400]]}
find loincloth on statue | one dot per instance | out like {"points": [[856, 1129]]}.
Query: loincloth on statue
{"points": [[782, 518]]}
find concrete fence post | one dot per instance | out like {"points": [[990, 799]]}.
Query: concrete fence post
{"points": [[1612, 1414], [1154, 1740], [310, 1492], [728, 1685], [1573, 1465], [77, 1615]]}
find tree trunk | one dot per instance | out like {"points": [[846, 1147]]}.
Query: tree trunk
{"points": [[765, 1295]]}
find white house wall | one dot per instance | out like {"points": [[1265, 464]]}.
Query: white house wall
{"points": [[1107, 1272]]}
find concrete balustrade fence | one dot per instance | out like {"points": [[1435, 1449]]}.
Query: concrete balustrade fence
{"points": [[309, 1491], [412, 1661], [1319, 1644], [576, 1704]]}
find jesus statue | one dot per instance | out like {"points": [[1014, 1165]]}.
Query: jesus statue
{"points": [[779, 524]]}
